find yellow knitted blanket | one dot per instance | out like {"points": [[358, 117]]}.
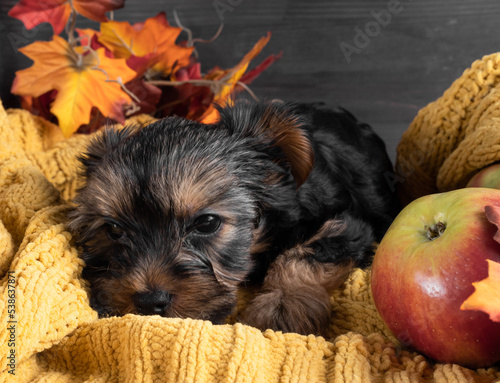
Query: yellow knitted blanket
{"points": [[48, 332], [453, 137]]}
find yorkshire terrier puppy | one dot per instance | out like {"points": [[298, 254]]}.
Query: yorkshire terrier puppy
{"points": [[177, 215]]}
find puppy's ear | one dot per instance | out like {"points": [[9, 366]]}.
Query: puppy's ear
{"points": [[103, 144], [277, 123]]}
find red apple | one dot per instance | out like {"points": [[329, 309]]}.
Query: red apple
{"points": [[423, 271], [489, 177]]}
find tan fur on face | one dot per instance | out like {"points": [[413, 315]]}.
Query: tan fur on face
{"points": [[197, 296], [192, 185], [197, 191], [109, 201], [227, 278]]}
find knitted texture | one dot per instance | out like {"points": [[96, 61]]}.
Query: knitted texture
{"points": [[54, 336], [453, 137]]}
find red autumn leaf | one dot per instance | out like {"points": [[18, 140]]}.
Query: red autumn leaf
{"points": [[486, 298], [40, 106], [33, 13], [188, 98], [154, 37], [95, 122], [188, 74], [56, 12], [82, 79], [147, 94], [96, 9], [248, 77], [142, 63], [88, 36], [192, 72], [227, 79]]}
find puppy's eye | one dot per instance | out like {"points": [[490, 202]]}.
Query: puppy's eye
{"points": [[207, 224], [115, 232]]}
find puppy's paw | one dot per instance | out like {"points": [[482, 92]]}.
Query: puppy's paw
{"points": [[305, 310], [296, 293]]}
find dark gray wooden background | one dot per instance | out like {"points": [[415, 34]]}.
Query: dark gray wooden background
{"points": [[399, 66]]}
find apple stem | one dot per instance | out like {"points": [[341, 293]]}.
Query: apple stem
{"points": [[435, 231]]}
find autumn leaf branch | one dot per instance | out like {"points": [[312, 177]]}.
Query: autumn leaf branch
{"points": [[120, 69]]}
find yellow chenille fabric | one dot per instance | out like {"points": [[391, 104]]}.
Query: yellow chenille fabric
{"points": [[453, 137], [52, 335]]}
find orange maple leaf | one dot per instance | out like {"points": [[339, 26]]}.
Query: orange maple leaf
{"points": [[82, 80], [228, 78], [56, 12], [486, 298], [154, 37]]}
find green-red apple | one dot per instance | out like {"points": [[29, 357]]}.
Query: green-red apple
{"points": [[423, 271], [489, 177]]}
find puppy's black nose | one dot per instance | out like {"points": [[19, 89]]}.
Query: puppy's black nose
{"points": [[152, 303]]}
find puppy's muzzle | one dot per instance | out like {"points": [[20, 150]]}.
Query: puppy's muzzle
{"points": [[152, 303]]}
